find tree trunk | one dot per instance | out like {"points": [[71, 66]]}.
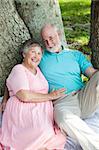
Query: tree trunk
{"points": [[95, 33], [12, 33], [36, 13], [19, 21]]}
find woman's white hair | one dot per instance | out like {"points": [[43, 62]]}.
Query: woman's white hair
{"points": [[27, 45]]}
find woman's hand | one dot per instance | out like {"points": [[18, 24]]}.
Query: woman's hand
{"points": [[57, 94], [2, 106]]}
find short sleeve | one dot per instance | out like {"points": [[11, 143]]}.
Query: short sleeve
{"points": [[83, 62], [17, 79]]}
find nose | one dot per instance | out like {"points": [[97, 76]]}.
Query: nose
{"points": [[37, 56], [49, 43]]}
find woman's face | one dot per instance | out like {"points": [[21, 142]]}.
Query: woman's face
{"points": [[33, 57]]}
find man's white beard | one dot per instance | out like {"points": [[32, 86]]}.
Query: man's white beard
{"points": [[55, 49]]}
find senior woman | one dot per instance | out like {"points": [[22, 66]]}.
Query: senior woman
{"points": [[28, 117]]}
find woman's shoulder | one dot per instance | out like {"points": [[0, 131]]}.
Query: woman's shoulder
{"points": [[17, 68]]}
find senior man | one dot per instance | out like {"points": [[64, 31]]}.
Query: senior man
{"points": [[63, 68]]}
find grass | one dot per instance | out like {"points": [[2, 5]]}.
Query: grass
{"points": [[76, 20]]}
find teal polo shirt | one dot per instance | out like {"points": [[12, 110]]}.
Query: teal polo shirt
{"points": [[64, 69]]}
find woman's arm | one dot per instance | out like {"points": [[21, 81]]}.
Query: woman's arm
{"points": [[4, 100], [30, 96], [18, 81]]}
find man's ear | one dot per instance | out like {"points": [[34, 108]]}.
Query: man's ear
{"points": [[59, 33]]}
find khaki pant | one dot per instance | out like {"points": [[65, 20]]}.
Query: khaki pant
{"points": [[70, 111]]}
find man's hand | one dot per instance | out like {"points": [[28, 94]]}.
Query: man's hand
{"points": [[90, 72]]}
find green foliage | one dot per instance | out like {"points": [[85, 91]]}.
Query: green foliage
{"points": [[76, 20]]}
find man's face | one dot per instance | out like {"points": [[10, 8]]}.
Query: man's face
{"points": [[51, 39]]}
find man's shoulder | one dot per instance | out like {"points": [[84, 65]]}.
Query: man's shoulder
{"points": [[72, 51], [45, 52]]}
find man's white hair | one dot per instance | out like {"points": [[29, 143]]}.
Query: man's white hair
{"points": [[49, 26]]}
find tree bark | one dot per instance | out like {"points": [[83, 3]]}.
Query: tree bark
{"points": [[36, 13], [95, 33], [12, 33], [19, 21]]}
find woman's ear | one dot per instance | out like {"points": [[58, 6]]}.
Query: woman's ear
{"points": [[23, 55]]}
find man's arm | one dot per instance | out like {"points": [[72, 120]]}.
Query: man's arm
{"points": [[90, 71]]}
